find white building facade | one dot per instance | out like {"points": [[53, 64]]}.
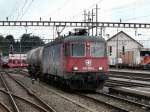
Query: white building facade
{"points": [[123, 49]]}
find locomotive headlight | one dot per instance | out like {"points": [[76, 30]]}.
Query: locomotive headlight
{"points": [[100, 68], [75, 68]]}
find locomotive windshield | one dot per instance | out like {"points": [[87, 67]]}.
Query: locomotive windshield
{"points": [[77, 49], [97, 49]]}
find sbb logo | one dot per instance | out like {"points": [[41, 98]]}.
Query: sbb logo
{"points": [[88, 62]]}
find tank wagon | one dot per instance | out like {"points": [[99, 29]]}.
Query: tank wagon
{"points": [[77, 60]]}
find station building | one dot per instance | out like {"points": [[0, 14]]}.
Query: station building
{"points": [[123, 49]]}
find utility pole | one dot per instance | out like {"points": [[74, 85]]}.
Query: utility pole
{"points": [[101, 32], [96, 19], [92, 21], [84, 17], [89, 19], [117, 54], [26, 29], [53, 32]]}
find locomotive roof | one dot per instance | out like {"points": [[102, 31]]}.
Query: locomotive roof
{"points": [[83, 38], [77, 39]]}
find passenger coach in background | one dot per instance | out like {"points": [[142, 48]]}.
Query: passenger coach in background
{"points": [[17, 61], [77, 60]]}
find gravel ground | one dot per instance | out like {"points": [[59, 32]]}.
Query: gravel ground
{"points": [[19, 91], [1, 84], [5, 100], [131, 108], [59, 103], [2, 109], [48, 96], [25, 107], [89, 103]]}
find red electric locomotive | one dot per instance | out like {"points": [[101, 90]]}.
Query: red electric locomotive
{"points": [[77, 60]]}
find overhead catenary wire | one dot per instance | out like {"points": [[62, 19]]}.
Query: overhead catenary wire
{"points": [[87, 9], [15, 9], [26, 9], [20, 12]]}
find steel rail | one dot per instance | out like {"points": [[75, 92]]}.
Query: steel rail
{"points": [[31, 92], [131, 73], [123, 99], [62, 96], [104, 102], [27, 101], [126, 83], [68, 99], [5, 106], [123, 92], [130, 77], [10, 94]]}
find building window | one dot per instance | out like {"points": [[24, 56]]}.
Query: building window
{"points": [[110, 50], [123, 50]]}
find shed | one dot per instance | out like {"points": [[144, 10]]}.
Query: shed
{"points": [[123, 49]]}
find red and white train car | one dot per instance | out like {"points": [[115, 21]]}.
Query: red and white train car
{"points": [[17, 61]]}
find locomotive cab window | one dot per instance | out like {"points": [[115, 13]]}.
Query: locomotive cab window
{"points": [[77, 49], [97, 49], [66, 50]]}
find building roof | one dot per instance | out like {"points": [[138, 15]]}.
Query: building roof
{"points": [[126, 35]]}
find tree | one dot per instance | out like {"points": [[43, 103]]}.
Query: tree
{"points": [[1, 38], [1, 41], [29, 42], [26, 43], [10, 38], [3, 45]]}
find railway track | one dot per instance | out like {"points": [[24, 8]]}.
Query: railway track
{"points": [[4, 108], [103, 104], [130, 73], [22, 99], [130, 77], [79, 100], [129, 101], [120, 104], [117, 104], [129, 83], [79, 105]]}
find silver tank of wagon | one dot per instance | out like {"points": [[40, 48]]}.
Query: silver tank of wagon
{"points": [[34, 56]]}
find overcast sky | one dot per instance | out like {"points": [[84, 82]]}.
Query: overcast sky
{"points": [[72, 10]]}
